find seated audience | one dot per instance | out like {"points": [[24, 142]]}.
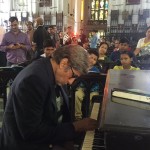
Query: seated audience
{"points": [[79, 94], [143, 45], [103, 51], [86, 45], [126, 61], [143, 48], [49, 48], [37, 112], [123, 45], [103, 60], [74, 40], [116, 45]]}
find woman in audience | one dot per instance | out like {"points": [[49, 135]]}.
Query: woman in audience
{"points": [[143, 44], [143, 48], [103, 51], [103, 60]]}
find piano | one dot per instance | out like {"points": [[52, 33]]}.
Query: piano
{"points": [[94, 140], [124, 123]]}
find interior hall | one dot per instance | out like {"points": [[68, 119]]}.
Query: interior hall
{"points": [[74, 74]]}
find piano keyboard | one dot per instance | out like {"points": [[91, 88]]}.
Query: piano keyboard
{"points": [[94, 140]]}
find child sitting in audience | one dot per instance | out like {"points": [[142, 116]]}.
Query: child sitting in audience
{"points": [[103, 51], [126, 61], [49, 48], [123, 45], [79, 94]]}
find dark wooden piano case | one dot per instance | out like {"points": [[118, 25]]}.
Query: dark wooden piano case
{"points": [[126, 127]]}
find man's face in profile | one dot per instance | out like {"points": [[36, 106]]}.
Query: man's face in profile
{"points": [[14, 26]]}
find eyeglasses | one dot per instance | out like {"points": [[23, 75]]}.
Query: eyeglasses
{"points": [[73, 74]]}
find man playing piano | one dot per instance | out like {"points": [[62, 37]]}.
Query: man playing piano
{"points": [[37, 113]]}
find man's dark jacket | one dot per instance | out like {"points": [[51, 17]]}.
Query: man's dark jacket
{"points": [[30, 116], [39, 36]]}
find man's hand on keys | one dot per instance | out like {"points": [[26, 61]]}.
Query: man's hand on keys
{"points": [[86, 124]]}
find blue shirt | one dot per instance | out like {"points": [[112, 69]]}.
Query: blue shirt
{"points": [[95, 87], [94, 69], [93, 41]]}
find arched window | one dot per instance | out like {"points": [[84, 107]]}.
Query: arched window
{"points": [[99, 9]]}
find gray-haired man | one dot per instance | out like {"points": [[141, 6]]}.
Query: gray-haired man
{"points": [[37, 113]]}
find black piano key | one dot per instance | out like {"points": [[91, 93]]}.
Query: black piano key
{"points": [[97, 147], [98, 141]]}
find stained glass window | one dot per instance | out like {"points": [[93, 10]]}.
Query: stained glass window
{"points": [[99, 9]]}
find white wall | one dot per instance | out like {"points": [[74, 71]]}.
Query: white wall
{"points": [[71, 18], [5, 7], [4, 11], [121, 6]]}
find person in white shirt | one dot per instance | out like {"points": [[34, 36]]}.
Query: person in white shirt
{"points": [[143, 46]]}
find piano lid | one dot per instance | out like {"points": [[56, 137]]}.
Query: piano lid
{"points": [[119, 113]]}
